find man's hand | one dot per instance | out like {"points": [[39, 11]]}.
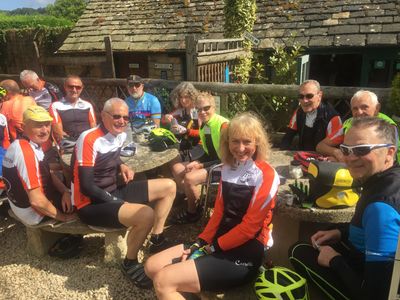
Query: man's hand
{"points": [[338, 155], [325, 237], [326, 253], [66, 202], [66, 217], [127, 173], [168, 117], [194, 165]]}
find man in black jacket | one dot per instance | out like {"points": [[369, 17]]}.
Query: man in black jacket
{"points": [[356, 260], [313, 120]]}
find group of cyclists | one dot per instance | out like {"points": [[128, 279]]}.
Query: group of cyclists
{"points": [[231, 247]]}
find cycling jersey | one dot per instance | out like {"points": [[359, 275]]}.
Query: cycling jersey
{"points": [[25, 168], [243, 208], [75, 118], [48, 94], [327, 123], [99, 152], [13, 109], [148, 106]]}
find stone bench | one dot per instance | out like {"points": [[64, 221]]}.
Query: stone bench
{"points": [[42, 236]]}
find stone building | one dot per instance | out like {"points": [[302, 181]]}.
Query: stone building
{"points": [[348, 42]]}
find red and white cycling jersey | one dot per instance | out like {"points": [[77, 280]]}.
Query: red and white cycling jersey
{"points": [[74, 118], [99, 149], [243, 208], [25, 168]]}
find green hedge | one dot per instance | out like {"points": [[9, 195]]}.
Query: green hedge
{"points": [[31, 21]]}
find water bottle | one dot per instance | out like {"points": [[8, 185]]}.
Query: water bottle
{"points": [[129, 133]]}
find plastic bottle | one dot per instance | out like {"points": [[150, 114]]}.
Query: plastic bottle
{"points": [[295, 170], [129, 133]]}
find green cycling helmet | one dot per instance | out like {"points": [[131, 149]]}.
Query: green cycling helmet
{"points": [[3, 92], [281, 283]]}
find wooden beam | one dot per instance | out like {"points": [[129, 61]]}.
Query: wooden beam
{"points": [[330, 92], [213, 58], [109, 56], [37, 53], [73, 60], [191, 57]]}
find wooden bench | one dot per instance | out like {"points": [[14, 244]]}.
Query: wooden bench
{"points": [[42, 236]]}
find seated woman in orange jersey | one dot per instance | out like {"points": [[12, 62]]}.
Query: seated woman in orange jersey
{"points": [[230, 249]]}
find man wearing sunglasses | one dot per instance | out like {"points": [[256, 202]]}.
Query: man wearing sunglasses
{"points": [[363, 104], [142, 105], [42, 91], [100, 202], [72, 115], [313, 121], [356, 260]]}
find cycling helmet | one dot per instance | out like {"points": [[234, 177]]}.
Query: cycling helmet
{"points": [[161, 139], [67, 145], [143, 126], [3, 92], [281, 283]]}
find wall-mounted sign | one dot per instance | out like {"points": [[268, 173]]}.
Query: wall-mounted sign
{"points": [[163, 66], [248, 36], [164, 75], [133, 66]]}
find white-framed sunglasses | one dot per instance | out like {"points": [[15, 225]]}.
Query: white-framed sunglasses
{"points": [[361, 150]]}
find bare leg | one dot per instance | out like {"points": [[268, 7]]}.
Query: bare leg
{"points": [[162, 193], [140, 218], [178, 171], [170, 279], [164, 258], [192, 181]]}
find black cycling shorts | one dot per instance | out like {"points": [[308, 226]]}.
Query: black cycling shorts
{"points": [[224, 270], [106, 214]]}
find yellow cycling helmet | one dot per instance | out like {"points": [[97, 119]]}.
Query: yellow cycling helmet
{"points": [[281, 283]]}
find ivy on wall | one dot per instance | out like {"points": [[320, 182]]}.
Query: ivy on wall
{"points": [[395, 97], [240, 16]]}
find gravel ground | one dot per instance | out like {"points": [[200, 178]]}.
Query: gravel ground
{"points": [[26, 277]]}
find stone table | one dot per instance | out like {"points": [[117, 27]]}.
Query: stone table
{"points": [[143, 160]]}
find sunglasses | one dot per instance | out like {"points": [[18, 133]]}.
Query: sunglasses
{"points": [[134, 84], [77, 87], [307, 96], [117, 117], [361, 150], [205, 108]]}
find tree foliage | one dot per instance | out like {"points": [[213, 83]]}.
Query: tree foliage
{"points": [[26, 11], [69, 9], [31, 21], [395, 96]]}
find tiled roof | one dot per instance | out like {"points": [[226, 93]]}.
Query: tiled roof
{"points": [[161, 25]]}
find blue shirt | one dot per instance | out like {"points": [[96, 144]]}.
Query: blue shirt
{"points": [[147, 107]]}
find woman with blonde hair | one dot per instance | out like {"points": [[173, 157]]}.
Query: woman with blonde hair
{"points": [[230, 249]]}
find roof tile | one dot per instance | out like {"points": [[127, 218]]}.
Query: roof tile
{"points": [[157, 25]]}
